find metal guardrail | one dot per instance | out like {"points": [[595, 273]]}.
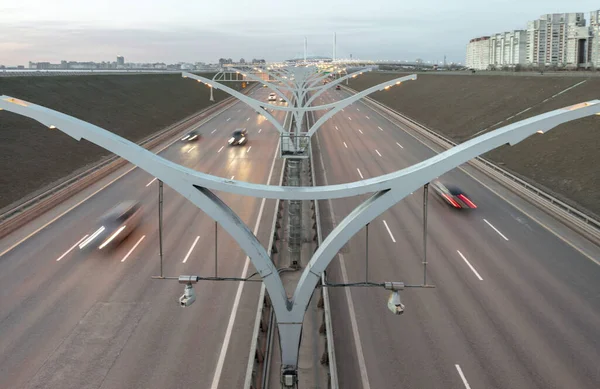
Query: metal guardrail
{"points": [[584, 219], [16, 216]]}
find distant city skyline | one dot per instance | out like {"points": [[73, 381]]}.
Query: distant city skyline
{"points": [[35, 30]]}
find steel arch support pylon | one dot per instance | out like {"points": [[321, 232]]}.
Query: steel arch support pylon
{"points": [[337, 107], [271, 86], [334, 83], [240, 96]]}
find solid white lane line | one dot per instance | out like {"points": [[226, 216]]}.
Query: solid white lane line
{"points": [[462, 377], [349, 302], [220, 149], [349, 118], [471, 266], [337, 128], [71, 249], [345, 145], [359, 173], [148, 184], [378, 153], [247, 119], [380, 128], [367, 117], [259, 130], [191, 249], [399, 145], [191, 149], [213, 131], [232, 177], [133, 248], [389, 232], [238, 295], [495, 229], [247, 151], [228, 119], [360, 131], [357, 109]]}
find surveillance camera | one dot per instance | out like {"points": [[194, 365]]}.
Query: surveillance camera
{"points": [[188, 297], [394, 304]]}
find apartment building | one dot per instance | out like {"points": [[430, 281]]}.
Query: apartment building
{"points": [[508, 48], [594, 41], [478, 53]]}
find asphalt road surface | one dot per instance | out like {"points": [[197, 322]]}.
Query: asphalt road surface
{"points": [[74, 320], [514, 306]]}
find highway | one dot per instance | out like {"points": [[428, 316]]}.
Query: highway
{"points": [[514, 306], [71, 320]]}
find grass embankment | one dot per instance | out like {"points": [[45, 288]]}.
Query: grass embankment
{"points": [[133, 106], [565, 160]]}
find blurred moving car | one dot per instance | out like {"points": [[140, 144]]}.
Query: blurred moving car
{"points": [[272, 97], [453, 195], [281, 100], [192, 136], [239, 137], [114, 226], [337, 87]]}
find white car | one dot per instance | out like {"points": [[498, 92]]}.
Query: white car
{"points": [[272, 97]]}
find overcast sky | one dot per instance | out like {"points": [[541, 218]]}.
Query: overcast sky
{"points": [[205, 30]]}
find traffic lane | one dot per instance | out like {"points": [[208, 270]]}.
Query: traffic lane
{"points": [[37, 254], [49, 312], [434, 223]]}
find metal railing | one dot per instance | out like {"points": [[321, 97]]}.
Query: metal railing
{"points": [[579, 217]]}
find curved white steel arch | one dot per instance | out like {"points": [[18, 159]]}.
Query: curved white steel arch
{"points": [[257, 105], [334, 83], [271, 86], [390, 189]]}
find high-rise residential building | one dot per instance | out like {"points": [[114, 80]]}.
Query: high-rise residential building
{"points": [[478, 53], [554, 39], [594, 41], [508, 48], [120, 60]]}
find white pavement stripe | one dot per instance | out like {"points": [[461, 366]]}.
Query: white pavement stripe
{"points": [[133, 248], [399, 145], [71, 249], [495, 229], [360, 131], [378, 153], [462, 377], [220, 149], [247, 119], [259, 130], [238, 294], [228, 119], [337, 128], [213, 131], [345, 145], [471, 266], [342, 109], [190, 150], [389, 232], [367, 117], [362, 366], [247, 151], [380, 128], [357, 109], [232, 177], [148, 184], [349, 118], [359, 173], [191, 249]]}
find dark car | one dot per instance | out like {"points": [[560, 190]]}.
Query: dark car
{"points": [[337, 87], [453, 195], [192, 136], [239, 137], [114, 227]]}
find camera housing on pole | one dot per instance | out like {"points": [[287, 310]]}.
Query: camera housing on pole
{"points": [[189, 294]]}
